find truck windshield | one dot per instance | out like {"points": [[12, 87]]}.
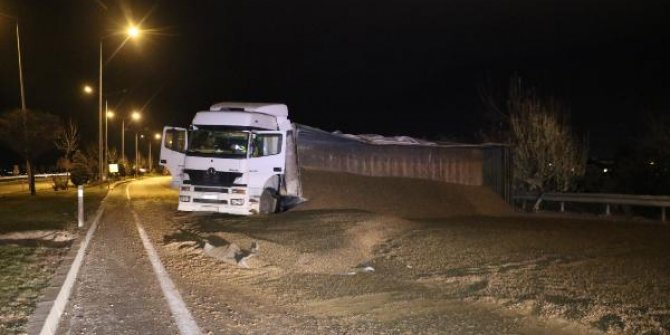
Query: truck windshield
{"points": [[218, 143]]}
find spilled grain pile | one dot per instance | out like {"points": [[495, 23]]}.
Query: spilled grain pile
{"points": [[401, 197]]}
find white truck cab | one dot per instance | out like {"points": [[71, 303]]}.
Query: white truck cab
{"points": [[232, 159]]}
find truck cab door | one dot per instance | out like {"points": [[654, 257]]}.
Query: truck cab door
{"points": [[173, 152], [267, 156]]}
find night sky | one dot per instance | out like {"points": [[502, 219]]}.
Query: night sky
{"points": [[390, 67]]}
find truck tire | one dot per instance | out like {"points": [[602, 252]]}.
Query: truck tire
{"points": [[269, 202]]}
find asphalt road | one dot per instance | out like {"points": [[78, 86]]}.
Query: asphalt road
{"points": [[118, 291]]}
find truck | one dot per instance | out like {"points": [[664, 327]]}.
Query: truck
{"points": [[246, 158], [233, 159]]}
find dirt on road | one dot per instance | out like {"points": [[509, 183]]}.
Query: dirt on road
{"points": [[348, 263], [357, 259]]}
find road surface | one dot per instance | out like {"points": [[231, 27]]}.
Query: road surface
{"points": [[121, 289]]}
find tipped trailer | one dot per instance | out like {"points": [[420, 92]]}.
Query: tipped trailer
{"points": [[246, 158]]}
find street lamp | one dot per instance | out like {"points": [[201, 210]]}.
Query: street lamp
{"points": [[134, 116], [157, 136], [29, 170], [132, 32], [108, 115]]}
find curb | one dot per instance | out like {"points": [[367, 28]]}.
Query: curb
{"points": [[46, 316]]}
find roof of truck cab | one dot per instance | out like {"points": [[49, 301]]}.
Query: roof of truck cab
{"points": [[274, 109], [236, 118]]}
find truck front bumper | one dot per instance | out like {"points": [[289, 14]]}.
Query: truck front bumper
{"points": [[231, 200]]}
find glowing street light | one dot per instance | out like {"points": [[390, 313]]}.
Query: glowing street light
{"points": [[132, 32], [109, 115], [88, 89], [134, 116], [157, 136]]}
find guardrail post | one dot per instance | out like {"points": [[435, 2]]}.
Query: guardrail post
{"points": [[607, 209], [562, 206], [663, 214], [80, 198]]}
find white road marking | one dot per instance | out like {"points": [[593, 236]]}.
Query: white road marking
{"points": [[51, 323], [181, 315]]}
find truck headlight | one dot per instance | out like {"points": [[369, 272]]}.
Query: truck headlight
{"points": [[237, 202], [186, 188], [184, 198]]}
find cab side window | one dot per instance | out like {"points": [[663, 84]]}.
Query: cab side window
{"points": [[266, 145], [175, 140]]}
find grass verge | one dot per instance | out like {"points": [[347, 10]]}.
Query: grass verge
{"points": [[47, 210], [26, 269]]}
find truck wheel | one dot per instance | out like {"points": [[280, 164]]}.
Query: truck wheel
{"points": [[268, 202]]}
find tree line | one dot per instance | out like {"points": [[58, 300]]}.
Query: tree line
{"points": [[31, 134]]}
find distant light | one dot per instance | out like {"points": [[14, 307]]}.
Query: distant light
{"points": [[605, 170], [136, 115], [551, 164], [142, 136], [110, 114], [133, 32], [88, 89], [157, 136], [652, 162]]}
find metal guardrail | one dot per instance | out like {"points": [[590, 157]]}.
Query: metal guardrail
{"points": [[601, 198], [23, 176]]}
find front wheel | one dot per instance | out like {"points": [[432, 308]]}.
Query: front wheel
{"points": [[268, 202]]}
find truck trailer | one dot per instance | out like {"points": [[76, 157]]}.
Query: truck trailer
{"points": [[246, 158]]}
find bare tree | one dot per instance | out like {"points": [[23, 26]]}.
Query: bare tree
{"points": [[112, 155], [40, 130], [67, 142], [547, 154], [68, 139]]}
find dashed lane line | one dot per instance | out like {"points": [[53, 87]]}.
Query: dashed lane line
{"points": [[181, 314]]}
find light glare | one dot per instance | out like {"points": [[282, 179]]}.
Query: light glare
{"points": [[133, 32]]}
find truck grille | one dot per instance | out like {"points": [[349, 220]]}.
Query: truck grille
{"points": [[211, 201], [211, 189], [200, 177]]}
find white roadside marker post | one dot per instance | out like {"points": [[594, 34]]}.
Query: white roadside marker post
{"points": [[80, 197]]}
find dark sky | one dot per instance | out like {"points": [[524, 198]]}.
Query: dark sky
{"points": [[410, 67]]}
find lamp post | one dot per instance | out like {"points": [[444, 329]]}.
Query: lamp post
{"points": [[134, 116], [132, 32], [29, 170], [136, 155], [108, 115], [157, 136]]}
